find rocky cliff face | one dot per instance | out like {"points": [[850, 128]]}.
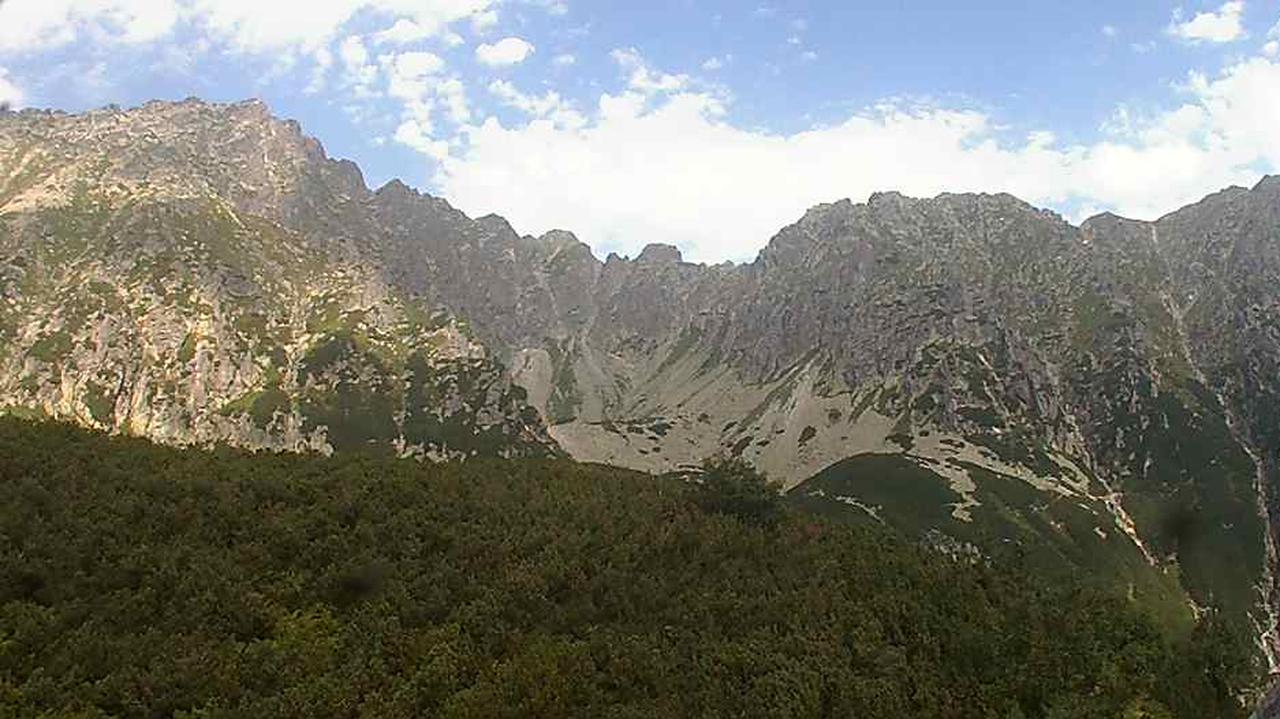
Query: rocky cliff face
{"points": [[967, 366], [201, 274]]}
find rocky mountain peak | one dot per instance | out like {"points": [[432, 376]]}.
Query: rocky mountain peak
{"points": [[1109, 224], [394, 188], [657, 253], [558, 238], [560, 246], [1268, 183]]}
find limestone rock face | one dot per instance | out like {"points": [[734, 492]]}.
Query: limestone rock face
{"points": [[202, 273]]}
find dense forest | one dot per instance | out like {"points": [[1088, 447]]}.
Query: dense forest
{"points": [[142, 581]]}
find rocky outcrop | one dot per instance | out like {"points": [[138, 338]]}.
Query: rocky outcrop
{"points": [[203, 274]]}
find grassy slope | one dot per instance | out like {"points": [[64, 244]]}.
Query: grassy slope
{"points": [[1052, 536]]}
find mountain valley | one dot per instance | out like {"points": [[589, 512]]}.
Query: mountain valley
{"points": [[969, 369]]}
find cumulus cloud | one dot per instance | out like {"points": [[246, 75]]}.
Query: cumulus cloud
{"points": [[323, 60], [412, 133], [418, 82], [249, 25], [27, 25], [660, 161], [405, 31], [359, 73], [1223, 25], [549, 106], [505, 52], [642, 78], [411, 80], [10, 94]]}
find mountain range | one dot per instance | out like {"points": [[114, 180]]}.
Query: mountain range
{"points": [[973, 370]]}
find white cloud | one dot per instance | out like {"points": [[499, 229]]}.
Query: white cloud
{"points": [[564, 60], [642, 78], [669, 166], [452, 95], [507, 51], [414, 134], [552, 7], [549, 106], [323, 60], [414, 65], [358, 72], [355, 55], [10, 93], [28, 25], [409, 79], [249, 25], [405, 31], [257, 25], [1110, 30], [417, 81], [485, 21], [1224, 25], [712, 64]]}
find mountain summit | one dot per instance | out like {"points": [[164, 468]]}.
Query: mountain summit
{"points": [[968, 367]]}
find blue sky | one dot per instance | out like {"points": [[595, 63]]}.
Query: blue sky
{"points": [[706, 124]]}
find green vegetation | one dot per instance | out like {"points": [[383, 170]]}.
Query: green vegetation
{"points": [[916, 499], [1188, 483], [1054, 537], [140, 581], [51, 347], [562, 405], [261, 405], [356, 397], [101, 405], [685, 343], [1019, 445], [731, 486], [72, 228], [187, 351], [441, 412]]}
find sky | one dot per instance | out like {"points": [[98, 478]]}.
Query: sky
{"points": [[708, 124]]}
